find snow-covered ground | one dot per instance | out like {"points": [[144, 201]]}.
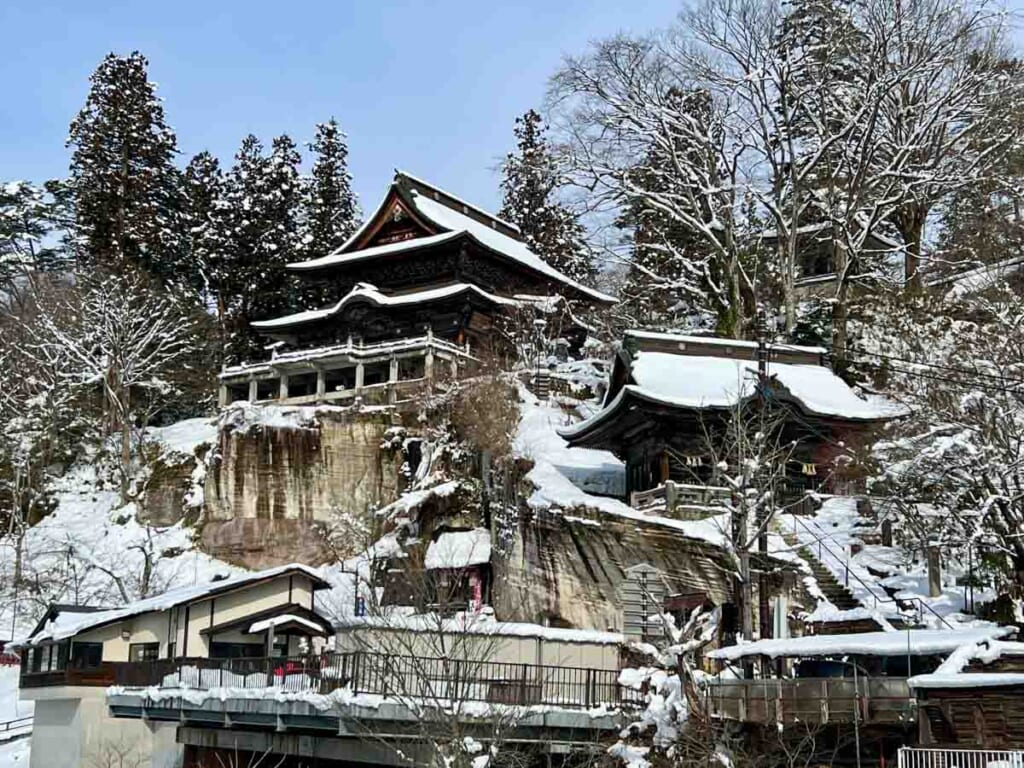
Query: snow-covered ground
{"points": [[15, 754]]}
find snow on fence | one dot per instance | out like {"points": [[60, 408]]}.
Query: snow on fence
{"points": [[917, 757], [396, 676]]}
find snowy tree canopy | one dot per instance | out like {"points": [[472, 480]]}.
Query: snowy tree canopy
{"points": [[127, 190]]}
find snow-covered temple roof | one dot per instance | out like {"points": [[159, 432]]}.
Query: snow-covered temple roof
{"points": [[455, 219], [459, 549], [73, 624], [370, 294], [706, 382], [914, 642]]}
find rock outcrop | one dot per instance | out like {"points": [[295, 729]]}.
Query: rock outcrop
{"points": [[280, 476]]}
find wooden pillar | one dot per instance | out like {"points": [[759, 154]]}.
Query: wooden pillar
{"points": [[664, 467], [321, 384], [359, 377], [393, 370], [282, 392], [252, 390], [222, 395]]}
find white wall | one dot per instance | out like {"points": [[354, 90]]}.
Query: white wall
{"points": [[79, 732]]}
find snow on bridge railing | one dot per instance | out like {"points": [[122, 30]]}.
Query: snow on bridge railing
{"points": [[389, 675]]}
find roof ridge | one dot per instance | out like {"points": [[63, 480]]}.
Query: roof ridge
{"points": [[439, 193]]}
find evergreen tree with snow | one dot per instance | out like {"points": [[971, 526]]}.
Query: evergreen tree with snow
{"points": [[332, 211], [530, 183], [204, 192], [818, 92], [261, 235], [127, 190], [31, 217]]}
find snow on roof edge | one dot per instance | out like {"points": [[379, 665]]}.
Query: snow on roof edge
{"points": [[914, 642], [168, 599], [456, 198]]}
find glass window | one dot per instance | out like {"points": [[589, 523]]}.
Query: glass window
{"points": [[86, 655], [143, 651]]}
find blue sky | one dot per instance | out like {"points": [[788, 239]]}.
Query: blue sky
{"points": [[429, 87]]}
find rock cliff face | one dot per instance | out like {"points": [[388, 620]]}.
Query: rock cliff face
{"points": [[279, 476], [568, 570]]}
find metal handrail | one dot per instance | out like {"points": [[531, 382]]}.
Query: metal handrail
{"points": [[820, 536], [385, 674], [16, 724]]}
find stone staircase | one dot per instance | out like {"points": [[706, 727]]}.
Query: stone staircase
{"points": [[839, 595], [540, 384], [836, 593]]}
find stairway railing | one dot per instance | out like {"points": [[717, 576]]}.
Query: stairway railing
{"points": [[819, 537]]}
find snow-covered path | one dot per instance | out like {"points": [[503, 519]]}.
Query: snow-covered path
{"points": [[13, 754]]}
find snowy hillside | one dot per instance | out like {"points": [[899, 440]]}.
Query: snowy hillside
{"points": [[93, 550]]}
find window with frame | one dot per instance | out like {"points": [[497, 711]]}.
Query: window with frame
{"points": [[143, 651], [86, 655]]}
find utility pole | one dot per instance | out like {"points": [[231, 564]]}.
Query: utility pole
{"points": [[764, 618]]}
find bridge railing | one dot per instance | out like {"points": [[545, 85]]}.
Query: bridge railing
{"points": [[400, 677]]}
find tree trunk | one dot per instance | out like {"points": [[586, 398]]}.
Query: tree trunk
{"points": [[841, 308], [126, 443], [910, 223], [788, 261]]}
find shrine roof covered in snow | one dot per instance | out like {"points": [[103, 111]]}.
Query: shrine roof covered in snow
{"points": [[371, 295], [700, 374], [442, 219], [455, 550]]}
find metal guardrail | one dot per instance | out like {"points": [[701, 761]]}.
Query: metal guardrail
{"points": [[920, 757], [819, 537], [396, 676], [13, 729]]}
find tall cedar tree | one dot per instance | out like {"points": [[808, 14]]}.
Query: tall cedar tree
{"points": [[204, 193], [672, 270], [261, 236], [817, 41], [331, 208], [127, 191], [530, 183]]}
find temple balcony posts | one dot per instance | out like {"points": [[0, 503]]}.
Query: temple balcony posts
{"points": [[321, 383], [385, 373]]}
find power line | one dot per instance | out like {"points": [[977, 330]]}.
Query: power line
{"points": [[950, 368], [957, 383]]}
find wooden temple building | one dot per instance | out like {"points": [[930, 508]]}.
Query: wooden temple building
{"points": [[670, 396], [425, 286]]}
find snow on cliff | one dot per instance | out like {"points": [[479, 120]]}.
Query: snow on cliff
{"points": [[93, 550]]}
